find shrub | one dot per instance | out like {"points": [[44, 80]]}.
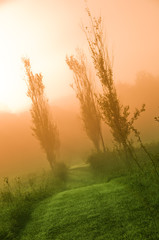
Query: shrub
{"points": [[103, 163], [61, 171]]}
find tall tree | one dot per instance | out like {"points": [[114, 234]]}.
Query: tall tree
{"points": [[115, 115], [84, 92], [44, 129]]}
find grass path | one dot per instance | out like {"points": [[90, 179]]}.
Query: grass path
{"points": [[107, 211]]}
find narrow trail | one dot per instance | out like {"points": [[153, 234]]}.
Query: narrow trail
{"points": [[100, 211]]}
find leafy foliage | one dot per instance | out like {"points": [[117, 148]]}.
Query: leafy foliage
{"points": [[44, 129], [61, 171], [115, 115], [104, 163], [84, 92]]}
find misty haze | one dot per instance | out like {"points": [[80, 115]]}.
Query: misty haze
{"points": [[79, 119]]}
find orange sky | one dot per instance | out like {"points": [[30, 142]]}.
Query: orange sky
{"points": [[47, 30]]}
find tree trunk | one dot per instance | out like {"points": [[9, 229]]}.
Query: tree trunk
{"points": [[102, 140], [51, 159]]}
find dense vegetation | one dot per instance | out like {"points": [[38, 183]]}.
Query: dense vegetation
{"points": [[19, 196], [89, 205]]}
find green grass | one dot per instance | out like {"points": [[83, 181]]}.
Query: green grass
{"points": [[100, 211], [19, 197], [116, 206]]}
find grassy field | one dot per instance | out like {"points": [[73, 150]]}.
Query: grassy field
{"points": [[93, 208]]}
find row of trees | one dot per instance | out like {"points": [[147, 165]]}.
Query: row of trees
{"points": [[105, 104], [95, 106]]}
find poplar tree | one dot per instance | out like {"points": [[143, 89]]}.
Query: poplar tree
{"points": [[114, 114], [85, 94], [43, 127]]}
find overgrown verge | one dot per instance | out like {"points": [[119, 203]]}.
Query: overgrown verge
{"points": [[111, 162], [19, 197], [144, 186], [107, 165]]}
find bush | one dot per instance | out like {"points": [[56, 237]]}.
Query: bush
{"points": [[61, 171], [103, 162]]}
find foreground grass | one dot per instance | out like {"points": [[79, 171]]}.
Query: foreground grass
{"points": [[100, 211], [19, 197], [87, 207]]}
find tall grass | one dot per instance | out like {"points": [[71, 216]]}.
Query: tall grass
{"points": [[144, 186], [18, 198]]}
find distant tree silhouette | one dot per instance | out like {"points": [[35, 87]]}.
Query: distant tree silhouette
{"points": [[115, 115], [44, 129], [84, 92], [156, 119]]}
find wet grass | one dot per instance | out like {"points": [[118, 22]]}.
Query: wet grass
{"points": [[115, 206], [100, 211]]}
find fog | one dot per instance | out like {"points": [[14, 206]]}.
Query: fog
{"points": [[20, 152], [47, 31]]}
